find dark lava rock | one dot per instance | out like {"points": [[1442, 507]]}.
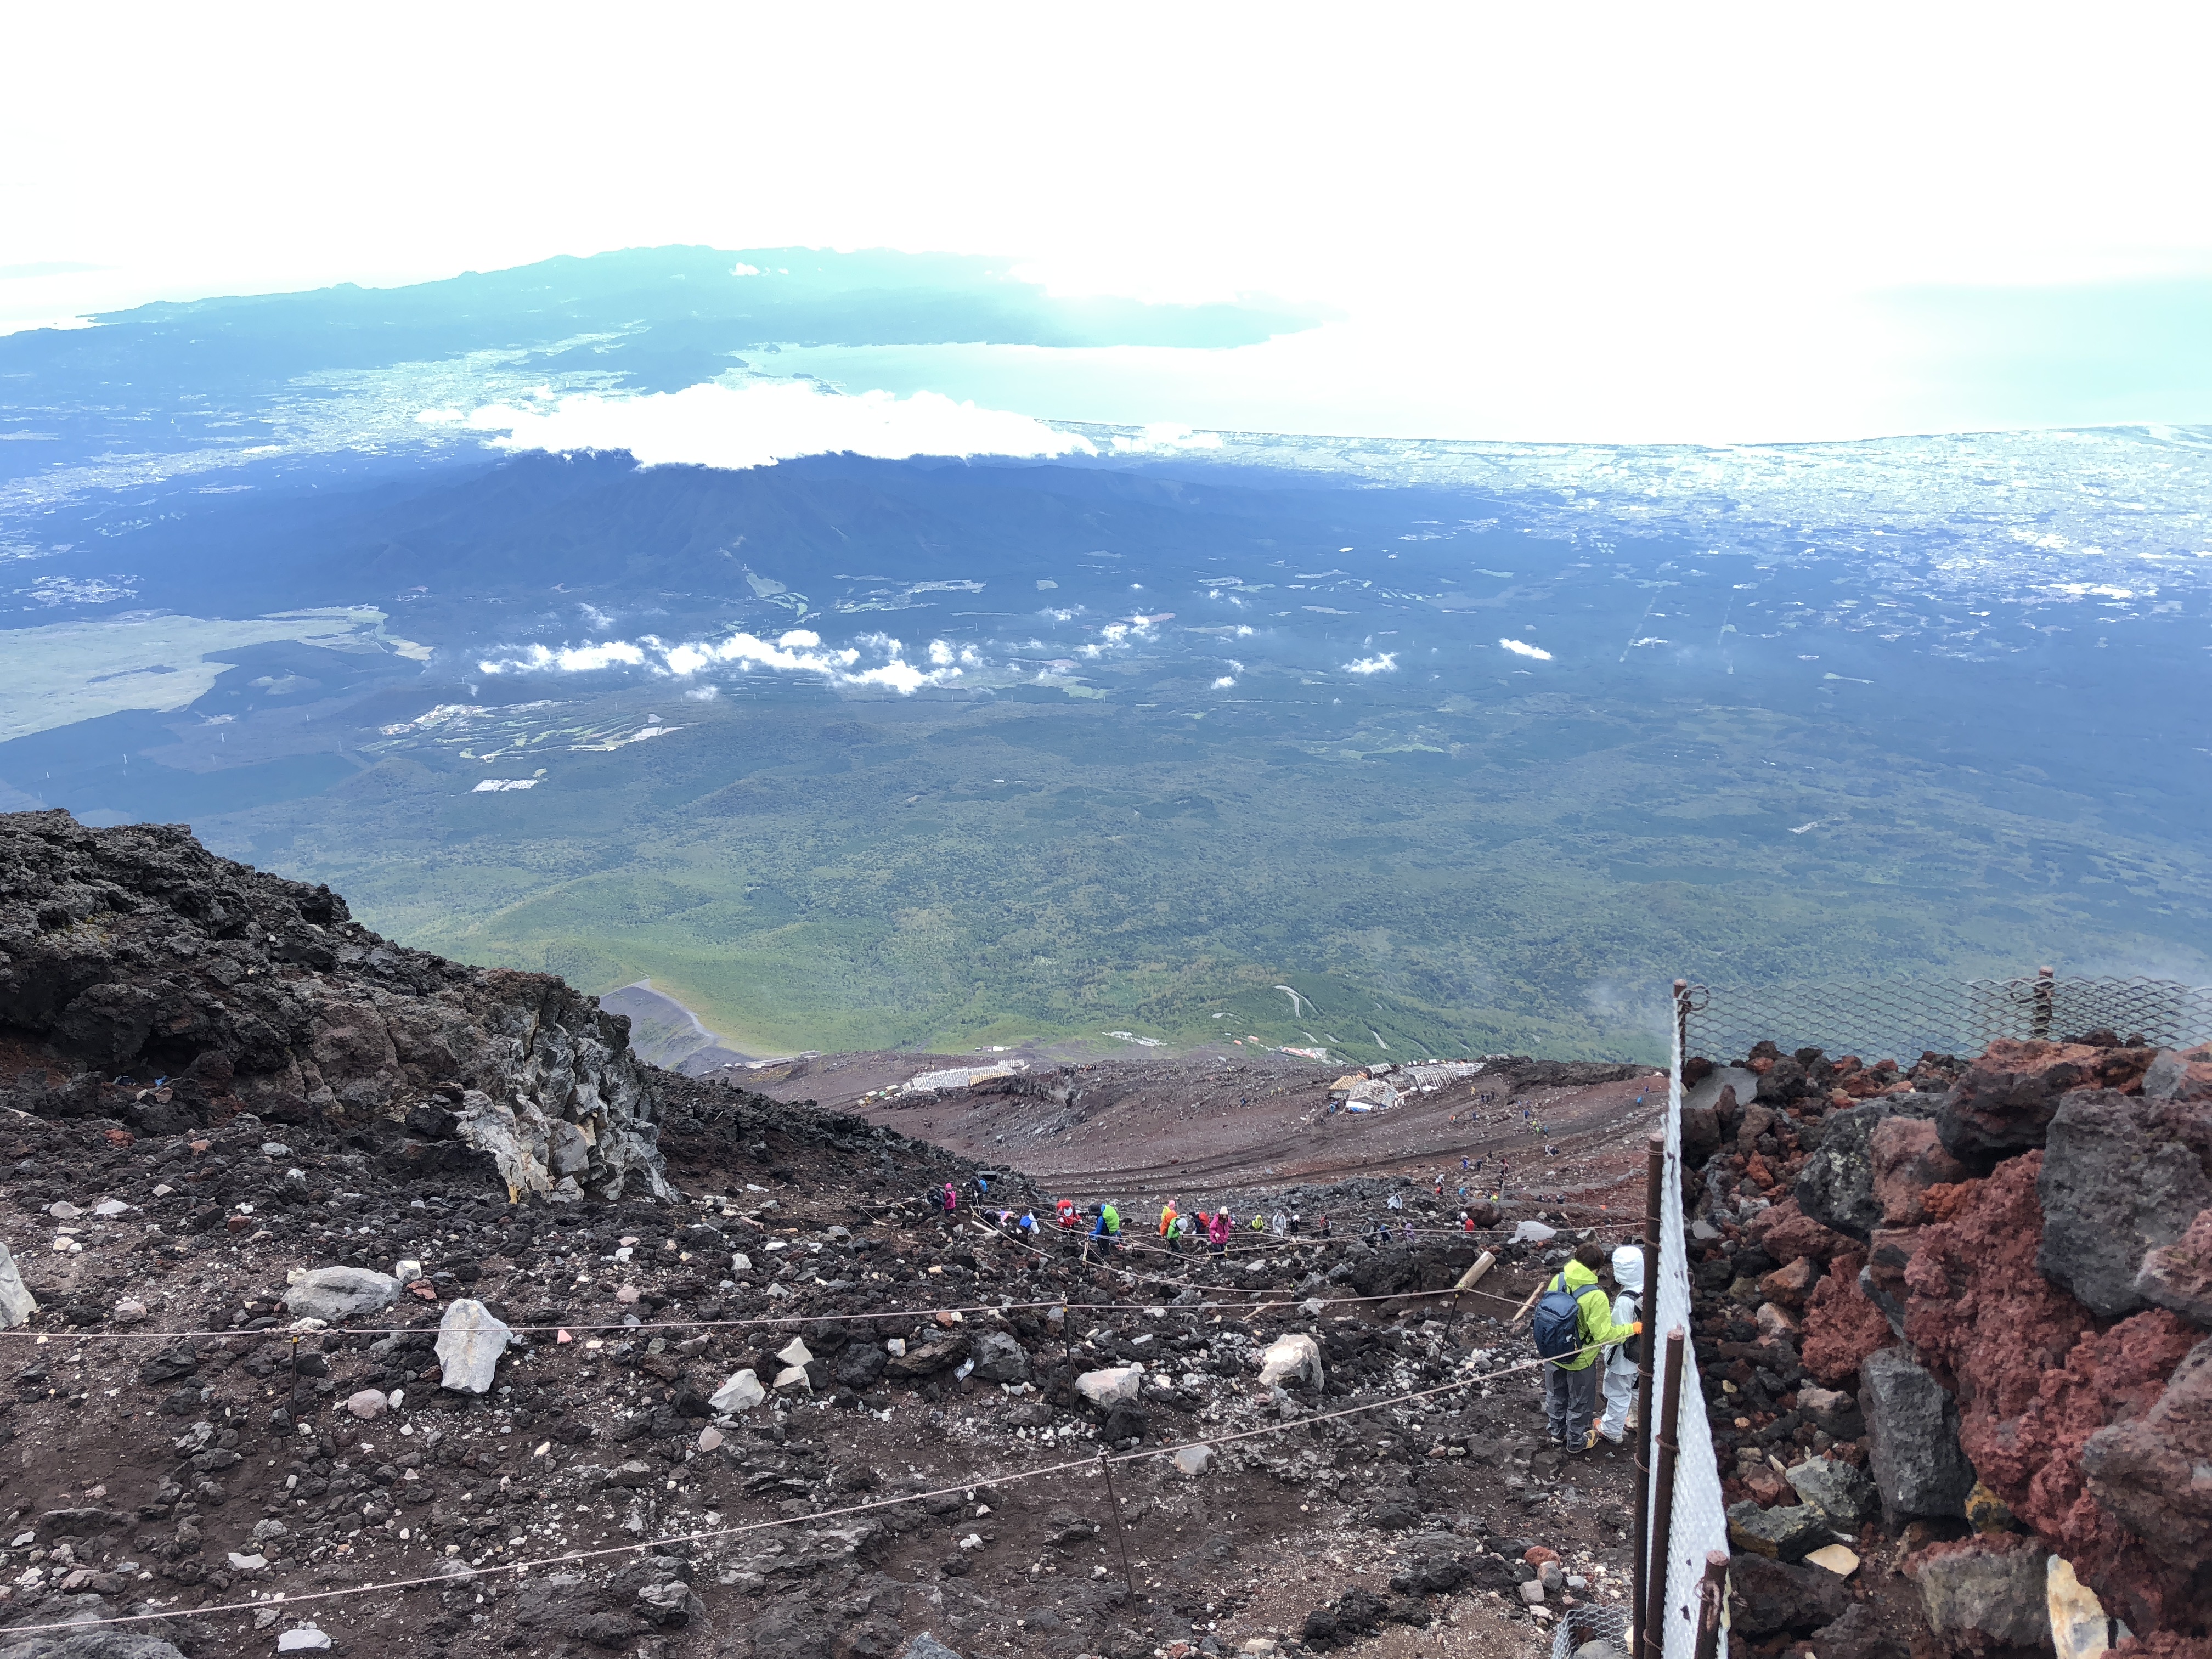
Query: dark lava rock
{"points": [[1913, 1427], [1770, 1596]]}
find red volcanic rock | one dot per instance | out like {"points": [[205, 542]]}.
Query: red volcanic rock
{"points": [[1841, 1325], [2004, 1102], [2034, 1379], [1909, 1160], [1790, 1284], [2144, 1470], [2164, 1645], [1786, 1232]]}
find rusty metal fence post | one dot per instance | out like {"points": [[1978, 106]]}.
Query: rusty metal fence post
{"points": [[1666, 1444], [1655, 1175]]}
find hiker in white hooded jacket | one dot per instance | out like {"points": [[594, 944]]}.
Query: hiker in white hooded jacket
{"points": [[1618, 1383]]}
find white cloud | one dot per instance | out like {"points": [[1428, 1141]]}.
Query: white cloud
{"points": [[1225, 682], [1166, 437], [1383, 662], [799, 651], [1522, 649], [764, 421], [703, 693]]}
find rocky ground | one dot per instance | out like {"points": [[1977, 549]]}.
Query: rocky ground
{"points": [[348, 1273], [1242, 1123], [1956, 1316]]}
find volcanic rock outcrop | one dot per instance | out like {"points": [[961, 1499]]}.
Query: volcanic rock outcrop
{"points": [[2003, 1270], [168, 988]]}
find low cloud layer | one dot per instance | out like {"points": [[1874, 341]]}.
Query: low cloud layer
{"points": [[761, 422], [799, 651], [1522, 649]]}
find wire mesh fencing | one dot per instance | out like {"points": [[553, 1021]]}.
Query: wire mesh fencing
{"points": [[1901, 1019], [1698, 1522], [1581, 1625]]}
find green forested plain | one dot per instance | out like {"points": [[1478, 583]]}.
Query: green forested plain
{"points": [[806, 871]]}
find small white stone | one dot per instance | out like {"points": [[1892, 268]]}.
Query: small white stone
{"points": [[741, 1393], [795, 1353], [306, 1640], [64, 1211], [248, 1563]]}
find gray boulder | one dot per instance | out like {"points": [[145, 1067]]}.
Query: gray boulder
{"points": [[1913, 1428], [1836, 1186], [998, 1359], [1841, 1493], [1782, 1533], [470, 1342], [2116, 1184], [1993, 1586], [926, 1646], [341, 1292]]}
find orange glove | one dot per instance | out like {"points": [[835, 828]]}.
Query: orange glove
{"points": [[1638, 1328]]}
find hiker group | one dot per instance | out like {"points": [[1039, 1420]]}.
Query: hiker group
{"points": [[1592, 1346]]}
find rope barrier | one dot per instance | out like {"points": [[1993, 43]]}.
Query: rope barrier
{"points": [[797, 1317], [1016, 1478]]}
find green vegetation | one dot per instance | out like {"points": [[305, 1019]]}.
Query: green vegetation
{"points": [[807, 873]]}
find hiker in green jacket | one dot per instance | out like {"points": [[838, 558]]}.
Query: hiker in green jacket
{"points": [[1570, 1380]]}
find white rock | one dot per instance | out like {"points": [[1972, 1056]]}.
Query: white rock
{"points": [[65, 1211], [129, 1311], [248, 1563], [368, 1404], [1192, 1460], [741, 1263], [1533, 1591], [795, 1353], [1117, 1385], [398, 1395], [897, 1347], [469, 1343], [16, 1305], [275, 1149], [306, 1640], [741, 1393], [406, 1270], [1532, 1232], [341, 1293], [1293, 1355], [792, 1377], [108, 1208]]}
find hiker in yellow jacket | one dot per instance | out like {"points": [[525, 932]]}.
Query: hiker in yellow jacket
{"points": [[1573, 1320], [1167, 1213]]}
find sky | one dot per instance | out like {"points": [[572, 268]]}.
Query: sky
{"points": [[1719, 223]]}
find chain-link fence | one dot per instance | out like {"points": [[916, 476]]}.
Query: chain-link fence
{"points": [[1901, 1019], [1699, 1517]]}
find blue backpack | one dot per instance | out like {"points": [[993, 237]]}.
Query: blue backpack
{"points": [[1557, 1327]]}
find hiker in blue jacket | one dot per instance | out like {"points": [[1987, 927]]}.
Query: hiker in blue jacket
{"points": [[1573, 1320]]}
